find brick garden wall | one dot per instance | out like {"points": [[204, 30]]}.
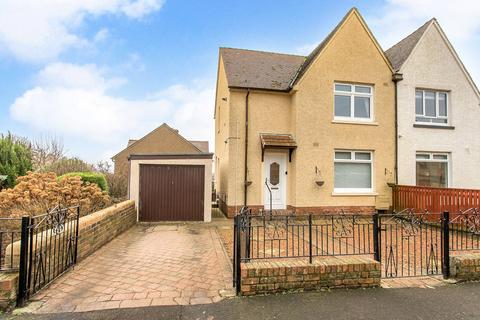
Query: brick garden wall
{"points": [[465, 267], [264, 277], [101, 227]]}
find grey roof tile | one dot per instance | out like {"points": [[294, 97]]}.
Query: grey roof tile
{"points": [[260, 69], [400, 52]]}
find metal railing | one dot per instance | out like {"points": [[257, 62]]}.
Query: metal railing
{"points": [[406, 243], [464, 229], [10, 231]]}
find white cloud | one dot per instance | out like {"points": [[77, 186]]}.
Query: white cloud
{"points": [[73, 101], [101, 35], [38, 30], [460, 20]]}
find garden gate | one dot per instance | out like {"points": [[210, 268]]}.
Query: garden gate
{"points": [[48, 249]]}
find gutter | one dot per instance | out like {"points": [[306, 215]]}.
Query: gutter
{"points": [[396, 77], [245, 184]]}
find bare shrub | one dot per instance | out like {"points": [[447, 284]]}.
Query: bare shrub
{"points": [[37, 193], [67, 165], [117, 184], [46, 150]]}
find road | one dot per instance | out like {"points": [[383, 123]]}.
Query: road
{"points": [[460, 301]]}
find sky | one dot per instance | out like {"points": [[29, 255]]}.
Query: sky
{"points": [[97, 73]]}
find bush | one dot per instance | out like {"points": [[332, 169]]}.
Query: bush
{"points": [[67, 165], [15, 159], [38, 193], [91, 177], [117, 186]]}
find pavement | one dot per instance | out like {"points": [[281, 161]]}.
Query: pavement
{"points": [[148, 265], [455, 301]]}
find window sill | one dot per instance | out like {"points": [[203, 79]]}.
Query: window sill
{"points": [[354, 194], [368, 123], [432, 126]]}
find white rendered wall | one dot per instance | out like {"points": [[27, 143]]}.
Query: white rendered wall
{"points": [[433, 66]]}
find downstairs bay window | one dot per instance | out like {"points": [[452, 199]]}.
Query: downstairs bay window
{"points": [[353, 172]]}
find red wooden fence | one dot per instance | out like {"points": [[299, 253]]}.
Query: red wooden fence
{"points": [[434, 200]]}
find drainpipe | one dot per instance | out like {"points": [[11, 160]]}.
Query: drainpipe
{"points": [[246, 149], [396, 78]]}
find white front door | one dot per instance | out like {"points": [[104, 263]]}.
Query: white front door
{"points": [[275, 185]]}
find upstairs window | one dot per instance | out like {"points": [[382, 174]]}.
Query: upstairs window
{"points": [[353, 102], [431, 107]]}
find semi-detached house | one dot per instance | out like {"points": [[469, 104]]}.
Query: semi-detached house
{"points": [[438, 112], [311, 133]]}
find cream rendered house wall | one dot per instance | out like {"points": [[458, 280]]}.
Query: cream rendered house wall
{"points": [[269, 112], [222, 132], [432, 65], [351, 57], [307, 113]]}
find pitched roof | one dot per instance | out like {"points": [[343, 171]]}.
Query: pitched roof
{"points": [[202, 145], [276, 71], [400, 52], [260, 69], [277, 140], [164, 125], [131, 141]]}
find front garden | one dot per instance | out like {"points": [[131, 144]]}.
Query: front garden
{"points": [[37, 176]]}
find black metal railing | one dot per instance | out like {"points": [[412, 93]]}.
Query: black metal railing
{"points": [[48, 249], [465, 231], [406, 243], [281, 235], [411, 244], [9, 234], [305, 236]]}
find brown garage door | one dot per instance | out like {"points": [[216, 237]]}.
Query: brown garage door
{"points": [[171, 192]]}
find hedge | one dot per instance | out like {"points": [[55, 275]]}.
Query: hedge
{"points": [[92, 177]]}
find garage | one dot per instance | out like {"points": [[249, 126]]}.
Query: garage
{"points": [[170, 187], [171, 192]]}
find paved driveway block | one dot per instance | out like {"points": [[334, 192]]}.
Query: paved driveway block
{"points": [[147, 265]]}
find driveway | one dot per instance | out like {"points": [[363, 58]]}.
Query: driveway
{"points": [[148, 265]]}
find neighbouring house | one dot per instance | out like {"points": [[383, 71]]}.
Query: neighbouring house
{"points": [[438, 112], [312, 133], [169, 177]]}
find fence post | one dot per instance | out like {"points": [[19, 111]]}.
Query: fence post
{"points": [[22, 279], [234, 271], [76, 235], [247, 237], [446, 244], [376, 237], [238, 258], [310, 237]]}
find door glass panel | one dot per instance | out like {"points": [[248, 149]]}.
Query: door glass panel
{"points": [[274, 173]]}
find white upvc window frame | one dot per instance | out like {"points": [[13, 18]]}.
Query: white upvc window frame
{"points": [[354, 160], [437, 107], [352, 94], [431, 156]]}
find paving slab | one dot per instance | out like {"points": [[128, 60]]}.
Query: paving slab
{"points": [[148, 265]]}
